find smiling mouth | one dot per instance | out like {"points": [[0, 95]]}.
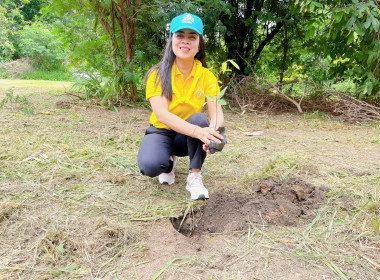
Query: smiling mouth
{"points": [[184, 49]]}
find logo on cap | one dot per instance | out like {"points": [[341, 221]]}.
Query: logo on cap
{"points": [[187, 19]]}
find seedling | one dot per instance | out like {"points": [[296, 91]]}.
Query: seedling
{"points": [[214, 146], [219, 99]]}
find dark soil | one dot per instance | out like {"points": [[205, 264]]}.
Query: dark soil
{"points": [[64, 104], [273, 203]]}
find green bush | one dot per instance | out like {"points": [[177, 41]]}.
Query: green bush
{"points": [[38, 42], [3, 74], [6, 47]]}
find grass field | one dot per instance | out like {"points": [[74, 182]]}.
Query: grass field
{"points": [[73, 204]]}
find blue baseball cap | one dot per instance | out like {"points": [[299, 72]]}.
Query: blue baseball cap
{"points": [[187, 21]]}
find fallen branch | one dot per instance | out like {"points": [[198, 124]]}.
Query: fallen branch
{"points": [[253, 93], [271, 90], [279, 92], [352, 109]]}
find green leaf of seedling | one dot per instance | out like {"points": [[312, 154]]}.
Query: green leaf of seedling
{"points": [[224, 67], [210, 97], [220, 95], [222, 102], [234, 64]]}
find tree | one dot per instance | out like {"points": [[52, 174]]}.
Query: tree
{"points": [[317, 39], [249, 26], [14, 15], [119, 18], [349, 35], [6, 46], [38, 42]]}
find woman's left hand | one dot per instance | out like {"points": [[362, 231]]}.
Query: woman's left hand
{"points": [[205, 148], [206, 134]]}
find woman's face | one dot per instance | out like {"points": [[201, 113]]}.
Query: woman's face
{"points": [[185, 44]]}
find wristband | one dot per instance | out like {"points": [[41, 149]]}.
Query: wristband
{"points": [[192, 134]]}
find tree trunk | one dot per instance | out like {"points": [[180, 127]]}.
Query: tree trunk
{"points": [[110, 31], [115, 19], [283, 64], [262, 45], [128, 26], [242, 25]]}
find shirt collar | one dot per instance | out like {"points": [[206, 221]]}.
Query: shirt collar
{"points": [[194, 71]]}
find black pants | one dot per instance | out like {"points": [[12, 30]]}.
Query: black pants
{"points": [[159, 144]]}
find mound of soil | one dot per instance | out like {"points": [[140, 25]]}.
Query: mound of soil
{"points": [[271, 203], [18, 67]]}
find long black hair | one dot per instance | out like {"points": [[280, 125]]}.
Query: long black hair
{"points": [[164, 67]]}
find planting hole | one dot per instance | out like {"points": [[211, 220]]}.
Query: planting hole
{"points": [[271, 203]]}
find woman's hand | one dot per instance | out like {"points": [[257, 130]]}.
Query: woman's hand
{"points": [[206, 149], [206, 134]]}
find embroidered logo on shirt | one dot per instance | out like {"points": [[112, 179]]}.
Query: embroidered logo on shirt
{"points": [[199, 93], [187, 19]]}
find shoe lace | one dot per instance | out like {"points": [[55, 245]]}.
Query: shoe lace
{"points": [[196, 180]]}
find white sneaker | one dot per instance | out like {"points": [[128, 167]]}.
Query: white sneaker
{"points": [[195, 186], [168, 178]]}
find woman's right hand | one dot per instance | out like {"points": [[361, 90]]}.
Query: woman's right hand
{"points": [[207, 134]]}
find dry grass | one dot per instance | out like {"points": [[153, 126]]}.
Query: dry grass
{"points": [[73, 204], [18, 67]]}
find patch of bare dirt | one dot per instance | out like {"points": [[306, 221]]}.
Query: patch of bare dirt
{"points": [[218, 256], [65, 104], [273, 203], [347, 202]]}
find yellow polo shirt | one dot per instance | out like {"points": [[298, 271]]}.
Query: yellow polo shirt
{"points": [[188, 96]]}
